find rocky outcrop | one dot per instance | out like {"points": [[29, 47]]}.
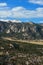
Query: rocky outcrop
{"points": [[20, 30]]}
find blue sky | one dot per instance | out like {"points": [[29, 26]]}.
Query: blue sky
{"points": [[22, 10]]}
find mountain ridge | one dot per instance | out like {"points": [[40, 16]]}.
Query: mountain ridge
{"points": [[21, 30]]}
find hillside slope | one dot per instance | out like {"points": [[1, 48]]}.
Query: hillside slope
{"points": [[25, 31]]}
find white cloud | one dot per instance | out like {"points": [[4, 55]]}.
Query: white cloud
{"points": [[4, 14], [3, 4], [6, 20], [15, 21], [40, 2], [20, 12]]}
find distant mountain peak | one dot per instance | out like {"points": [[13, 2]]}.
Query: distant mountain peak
{"points": [[27, 30], [16, 21]]}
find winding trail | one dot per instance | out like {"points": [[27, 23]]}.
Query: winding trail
{"points": [[39, 42]]}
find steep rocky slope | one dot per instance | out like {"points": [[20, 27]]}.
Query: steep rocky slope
{"points": [[22, 30]]}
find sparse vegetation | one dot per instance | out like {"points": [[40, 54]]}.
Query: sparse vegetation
{"points": [[21, 43], [18, 53]]}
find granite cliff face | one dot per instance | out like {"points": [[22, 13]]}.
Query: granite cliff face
{"points": [[22, 30]]}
